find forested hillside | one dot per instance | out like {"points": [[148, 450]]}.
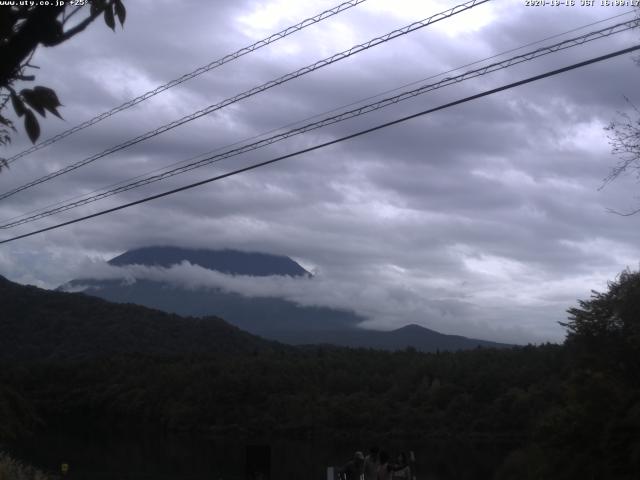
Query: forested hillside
{"points": [[38, 324], [565, 411]]}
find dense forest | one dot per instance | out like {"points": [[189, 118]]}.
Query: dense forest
{"points": [[566, 411]]}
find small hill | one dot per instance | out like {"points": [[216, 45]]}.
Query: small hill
{"points": [[40, 324], [415, 336]]}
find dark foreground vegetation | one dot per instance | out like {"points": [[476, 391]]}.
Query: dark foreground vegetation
{"points": [[11, 469], [567, 412]]}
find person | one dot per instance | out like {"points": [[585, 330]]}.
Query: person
{"points": [[353, 468], [384, 468], [401, 470], [371, 464]]}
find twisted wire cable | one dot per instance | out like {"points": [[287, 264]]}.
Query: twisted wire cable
{"points": [[188, 76], [318, 115], [254, 166], [285, 78], [371, 107]]}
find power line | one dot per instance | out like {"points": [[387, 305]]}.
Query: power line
{"points": [[317, 115], [120, 188], [265, 86], [298, 122], [332, 142], [188, 76], [327, 121]]}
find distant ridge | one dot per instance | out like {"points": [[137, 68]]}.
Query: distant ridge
{"points": [[258, 315], [261, 316], [415, 336], [39, 324], [232, 262], [269, 317]]}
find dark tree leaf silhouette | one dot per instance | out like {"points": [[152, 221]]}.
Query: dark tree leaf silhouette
{"points": [[31, 125], [23, 28]]}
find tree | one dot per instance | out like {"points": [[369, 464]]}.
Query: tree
{"points": [[605, 330], [22, 29], [624, 138], [613, 314]]}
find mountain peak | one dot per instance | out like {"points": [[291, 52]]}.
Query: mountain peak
{"points": [[228, 261]]}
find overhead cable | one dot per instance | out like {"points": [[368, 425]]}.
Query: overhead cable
{"points": [[261, 88], [362, 110], [188, 76], [331, 142], [317, 115]]}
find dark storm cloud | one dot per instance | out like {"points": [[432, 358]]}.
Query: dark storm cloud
{"points": [[484, 219]]}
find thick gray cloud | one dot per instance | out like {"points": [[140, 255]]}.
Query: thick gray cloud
{"points": [[484, 219]]}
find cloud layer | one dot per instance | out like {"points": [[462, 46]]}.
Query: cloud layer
{"points": [[485, 217]]}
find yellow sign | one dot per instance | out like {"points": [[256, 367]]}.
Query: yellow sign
{"points": [[64, 468]]}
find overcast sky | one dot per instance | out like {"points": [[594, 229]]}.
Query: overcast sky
{"points": [[484, 219]]}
